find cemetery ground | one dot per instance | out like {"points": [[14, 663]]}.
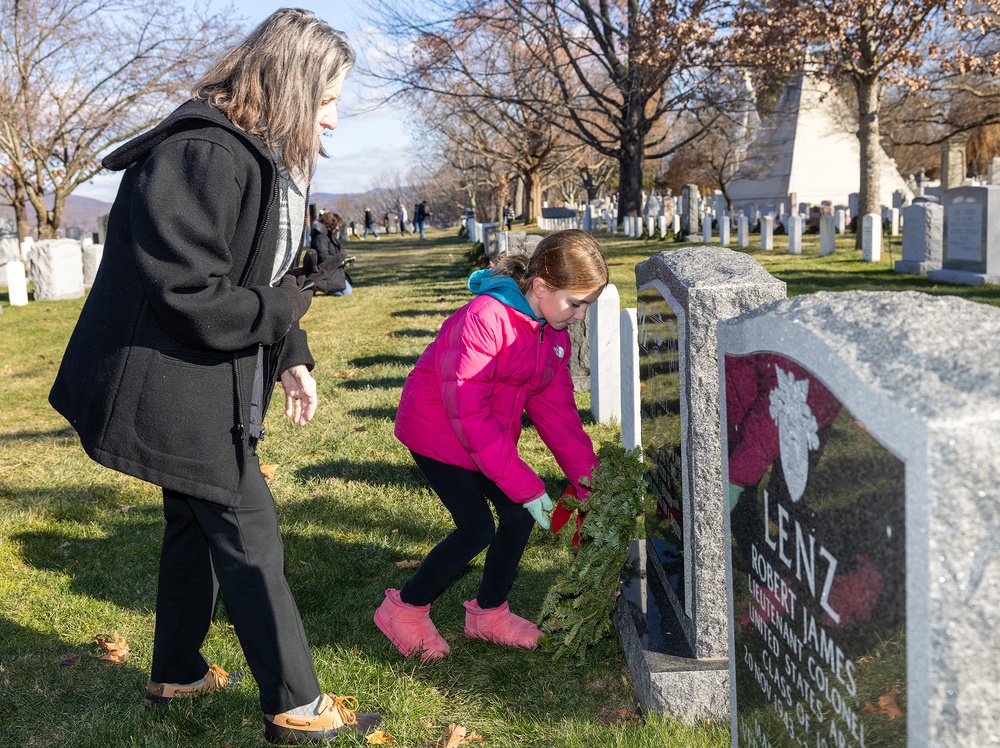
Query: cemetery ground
{"points": [[79, 543]]}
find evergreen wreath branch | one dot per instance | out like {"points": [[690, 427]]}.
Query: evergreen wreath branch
{"points": [[576, 613]]}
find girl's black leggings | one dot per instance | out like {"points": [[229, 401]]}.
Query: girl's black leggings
{"points": [[468, 494]]}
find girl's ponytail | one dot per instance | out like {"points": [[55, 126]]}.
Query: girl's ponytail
{"points": [[514, 265]]}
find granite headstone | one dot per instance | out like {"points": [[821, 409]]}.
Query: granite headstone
{"points": [[863, 465], [672, 616]]}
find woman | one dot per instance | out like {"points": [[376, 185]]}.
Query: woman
{"points": [[326, 242], [192, 318]]}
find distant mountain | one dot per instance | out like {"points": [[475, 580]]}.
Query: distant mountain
{"points": [[83, 212], [78, 212]]}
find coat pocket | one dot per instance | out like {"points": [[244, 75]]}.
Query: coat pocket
{"points": [[185, 407]]}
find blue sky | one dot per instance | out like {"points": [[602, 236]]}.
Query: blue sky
{"points": [[364, 145]]}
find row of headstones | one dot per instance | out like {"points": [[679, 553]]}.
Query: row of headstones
{"points": [[956, 241], [838, 502], [58, 268]]}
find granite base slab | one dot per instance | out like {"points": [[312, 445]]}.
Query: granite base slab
{"points": [[963, 277], [666, 677], [915, 268]]}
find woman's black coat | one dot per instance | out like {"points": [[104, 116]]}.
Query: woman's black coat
{"points": [[168, 372]]}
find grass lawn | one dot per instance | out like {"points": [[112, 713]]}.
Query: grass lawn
{"points": [[79, 544]]}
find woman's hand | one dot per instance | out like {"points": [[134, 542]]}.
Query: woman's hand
{"points": [[300, 394]]}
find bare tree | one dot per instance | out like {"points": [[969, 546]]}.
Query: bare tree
{"points": [[80, 76], [623, 67], [475, 70]]}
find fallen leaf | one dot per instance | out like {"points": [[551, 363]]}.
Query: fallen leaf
{"points": [[67, 544], [889, 705], [268, 471], [410, 563], [380, 738], [72, 661], [454, 736], [360, 428], [886, 705], [472, 737], [125, 509], [395, 531], [115, 650]]}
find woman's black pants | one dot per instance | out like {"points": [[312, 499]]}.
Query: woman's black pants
{"points": [[467, 494], [210, 547]]}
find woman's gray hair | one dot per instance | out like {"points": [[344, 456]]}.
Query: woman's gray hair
{"points": [[272, 82]]}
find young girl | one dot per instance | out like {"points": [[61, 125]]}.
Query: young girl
{"points": [[505, 352]]}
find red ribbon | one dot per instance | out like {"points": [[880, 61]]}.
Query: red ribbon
{"points": [[562, 514]]}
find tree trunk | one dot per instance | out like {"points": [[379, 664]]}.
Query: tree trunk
{"points": [[870, 191], [533, 191], [630, 160], [630, 181], [20, 212], [53, 218]]}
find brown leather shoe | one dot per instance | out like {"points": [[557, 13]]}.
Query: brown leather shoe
{"points": [[337, 714], [158, 694]]}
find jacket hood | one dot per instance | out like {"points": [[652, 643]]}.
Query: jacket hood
{"points": [[189, 112], [503, 288]]}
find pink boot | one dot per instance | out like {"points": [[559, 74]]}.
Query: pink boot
{"points": [[500, 626], [410, 628]]}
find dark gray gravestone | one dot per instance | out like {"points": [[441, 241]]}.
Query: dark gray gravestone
{"points": [[690, 197], [863, 465], [922, 229], [491, 239]]}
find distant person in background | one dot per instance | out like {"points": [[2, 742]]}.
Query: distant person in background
{"points": [[508, 216], [385, 222], [369, 224], [420, 217], [327, 246], [192, 318], [401, 215]]}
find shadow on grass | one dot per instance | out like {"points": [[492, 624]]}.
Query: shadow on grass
{"points": [[374, 383], [414, 333], [379, 473], [120, 567], [17, 436], [82, 503], [383, 359], [420, 313], [72, 697], [376, 414]]}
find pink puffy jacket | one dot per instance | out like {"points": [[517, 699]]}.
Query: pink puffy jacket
{"points": [[463, 401]]}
